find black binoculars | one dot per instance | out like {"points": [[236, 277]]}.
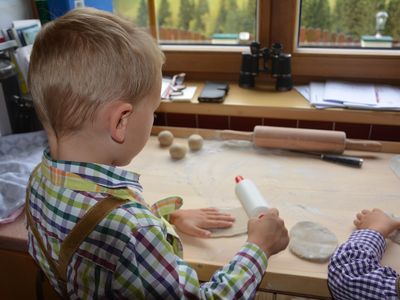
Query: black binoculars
{"points": [[280, 66]]}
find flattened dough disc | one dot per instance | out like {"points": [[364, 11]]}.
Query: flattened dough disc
{"points": [[238, 227], [312, 241]]}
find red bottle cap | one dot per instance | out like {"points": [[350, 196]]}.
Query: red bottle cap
{"points": [[238, 178]]}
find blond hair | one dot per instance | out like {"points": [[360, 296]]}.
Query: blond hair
{"points": [[86, 58]]}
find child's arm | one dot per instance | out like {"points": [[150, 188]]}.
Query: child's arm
{"points": [[354, 270], [148, 268]]}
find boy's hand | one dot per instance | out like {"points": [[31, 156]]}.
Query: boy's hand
{"points": [[268, 231], [195, 222], [376, 220]]}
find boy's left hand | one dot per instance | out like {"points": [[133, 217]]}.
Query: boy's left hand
{"points": [[195, 222]]}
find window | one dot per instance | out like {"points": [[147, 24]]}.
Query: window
{"points": [[355, 24], [199, 22], [273, 21], [320, 64]]}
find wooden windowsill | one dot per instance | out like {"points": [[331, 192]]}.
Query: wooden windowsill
{"points": [[265, 102]]}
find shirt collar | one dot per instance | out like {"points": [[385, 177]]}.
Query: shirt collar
{"points": [[88, 176]]}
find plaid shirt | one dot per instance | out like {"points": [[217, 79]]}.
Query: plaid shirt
{"points": [[355, 271], [129, 254]]}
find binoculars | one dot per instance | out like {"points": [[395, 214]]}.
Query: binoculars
{"points": [[274, 61]]}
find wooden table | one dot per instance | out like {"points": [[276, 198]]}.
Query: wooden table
{"points": [[303, 188]]}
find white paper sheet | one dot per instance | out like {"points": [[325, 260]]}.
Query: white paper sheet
{"points": [[345, 92]]}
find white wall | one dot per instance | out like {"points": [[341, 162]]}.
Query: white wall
{"points": [[14, 10]]}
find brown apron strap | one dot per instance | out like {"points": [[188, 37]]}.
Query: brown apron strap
{"points": [[75, 237], [35, 232], [83, 228], [52, 263], [398, 286]]}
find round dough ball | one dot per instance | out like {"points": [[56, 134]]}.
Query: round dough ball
{"points": [[195, 142], [177, 151], [165, 138], [312, 241]]}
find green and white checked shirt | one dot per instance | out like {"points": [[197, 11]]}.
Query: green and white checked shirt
{"points": [[133, 253]]}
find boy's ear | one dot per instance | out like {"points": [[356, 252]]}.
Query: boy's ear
{"points": [[119, 118]]}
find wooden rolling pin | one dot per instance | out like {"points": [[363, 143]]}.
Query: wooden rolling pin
{"points": [[322, 141]]}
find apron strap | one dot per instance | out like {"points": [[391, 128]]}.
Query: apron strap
{"points": [[83, 228], [75, 237], [50, 260]]}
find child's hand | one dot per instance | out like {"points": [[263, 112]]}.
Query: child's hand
{"points": [[195, 222], [268, 231], [376, 220]]}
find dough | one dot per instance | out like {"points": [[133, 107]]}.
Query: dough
{"points": [[238, 227], [177, 151], [312, 241], [165, 138], [195, 142]]}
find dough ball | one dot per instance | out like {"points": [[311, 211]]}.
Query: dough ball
{"points": [[195, 142], [312, 241], [165, 138], [177, 151]]}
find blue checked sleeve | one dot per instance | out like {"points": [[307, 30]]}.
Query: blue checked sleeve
{"points": [[355, 272]]}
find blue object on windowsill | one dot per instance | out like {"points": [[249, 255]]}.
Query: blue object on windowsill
{"points": [[57, 8]]}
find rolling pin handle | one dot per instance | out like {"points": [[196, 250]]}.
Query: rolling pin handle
{"points": [[372, 146], [351, 161]]}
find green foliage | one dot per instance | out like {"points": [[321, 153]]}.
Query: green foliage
{"points": [[393, 23], [142, 14], [164, 13], [352, 17], [200, 16], [232, 19], [316, 14], [357, 17], [248, 18], [221, 17], [186, 14], [126, 9]]}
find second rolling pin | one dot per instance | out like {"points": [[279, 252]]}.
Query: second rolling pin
{"points": [[323, 141]]}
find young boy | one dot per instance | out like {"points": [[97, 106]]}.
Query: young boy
{"points": [[355, 271], [95, 80]]}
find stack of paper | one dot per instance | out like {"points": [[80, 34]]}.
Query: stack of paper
{"points": [[351, 95]]}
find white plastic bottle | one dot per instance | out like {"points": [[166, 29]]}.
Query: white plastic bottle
{"points": [[250, 197]]}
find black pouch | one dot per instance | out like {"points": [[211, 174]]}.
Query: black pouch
{"points": [[214, 92]]}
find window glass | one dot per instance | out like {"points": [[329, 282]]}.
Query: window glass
{"points": [[196, 21], [358, 24], [135, 11]]}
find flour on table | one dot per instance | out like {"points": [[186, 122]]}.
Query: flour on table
{"points": [[312, 241]]}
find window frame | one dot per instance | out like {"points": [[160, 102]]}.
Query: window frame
{"points": [[277, 21]]}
